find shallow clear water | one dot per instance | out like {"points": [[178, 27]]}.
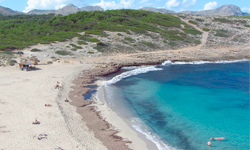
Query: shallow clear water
{"points": [[186, 105]]}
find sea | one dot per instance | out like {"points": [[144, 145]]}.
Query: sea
{"points": [[181, 105]]}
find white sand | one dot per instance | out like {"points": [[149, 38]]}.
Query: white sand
{"points": [[22, 99]]}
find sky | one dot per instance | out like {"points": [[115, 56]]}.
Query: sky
{"points": [[175, 5]]}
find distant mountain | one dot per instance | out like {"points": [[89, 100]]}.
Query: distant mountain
{"points": [[40, 12], [91, 8], [225, 10], [69, 9], [6, 11], [66, 10], [157, 10]]}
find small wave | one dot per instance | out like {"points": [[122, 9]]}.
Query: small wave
{"points": [[168, 62], [131, 73], [143, 129]]}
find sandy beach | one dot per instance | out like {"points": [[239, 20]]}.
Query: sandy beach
{"points": [[23, 98], [79, 124]]}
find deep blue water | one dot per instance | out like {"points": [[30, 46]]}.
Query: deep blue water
{"points": [[186, 105]]}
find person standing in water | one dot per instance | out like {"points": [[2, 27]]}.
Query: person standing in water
{"points": [[209, 143]]}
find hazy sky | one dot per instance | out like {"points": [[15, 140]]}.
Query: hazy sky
{"points": [[175, 5]]}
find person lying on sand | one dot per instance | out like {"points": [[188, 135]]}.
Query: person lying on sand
{"points": [[36, 122], [58, 148], [48, 105], [42, 136]]}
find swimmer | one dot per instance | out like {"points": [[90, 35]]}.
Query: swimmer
{"points": [[209, 143]]}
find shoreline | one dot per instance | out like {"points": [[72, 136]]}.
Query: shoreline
{"points": [[97, 103]]}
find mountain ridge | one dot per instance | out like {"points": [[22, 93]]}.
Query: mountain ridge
{"points": [[7, 11], [66, 10], [224, 10]]}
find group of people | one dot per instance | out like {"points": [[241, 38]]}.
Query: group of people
{"points": [[44, 136], [209, 143]]}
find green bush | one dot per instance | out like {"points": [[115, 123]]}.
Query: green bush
{"points": [[246, 25], [197, 42], [222, 20], [35, 50], [172, 44], [82, 43], [73, 49], [95, 32], [191, 31], [63, 52], [100, 46], [222, 33], [129, 39], [199, 19], [149, 44], [93, 40], [193, 22], [205, 29], [75, 46]]}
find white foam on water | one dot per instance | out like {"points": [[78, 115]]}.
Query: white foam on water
{"points": [[168, 62], [139, 126], [131, 73]]}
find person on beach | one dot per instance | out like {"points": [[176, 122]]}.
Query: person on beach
{"points": [[42, 136], [57, 85], [66, 100], [48, 105], [36, 122]]}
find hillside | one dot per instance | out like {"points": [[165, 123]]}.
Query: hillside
{"points": [[123, 31], [162, 31]]}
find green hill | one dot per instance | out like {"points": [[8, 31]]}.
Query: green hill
{"points": [[17, 32]]}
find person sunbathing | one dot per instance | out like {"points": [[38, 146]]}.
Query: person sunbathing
{"points": [[42, 136], [48, 105], [36, 122]]}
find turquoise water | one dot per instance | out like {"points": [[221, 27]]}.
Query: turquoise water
{"points": [[186, 104]]}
